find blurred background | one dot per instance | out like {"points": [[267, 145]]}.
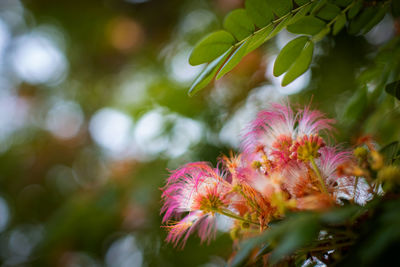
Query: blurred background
{"points": [[94, 111]]}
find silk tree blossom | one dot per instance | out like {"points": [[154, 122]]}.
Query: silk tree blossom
{"points": [[197, 190], [280, 135], [285, 164]]}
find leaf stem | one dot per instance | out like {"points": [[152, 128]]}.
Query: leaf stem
{"points": [[235, 216], [251, 203], [318, 174]]}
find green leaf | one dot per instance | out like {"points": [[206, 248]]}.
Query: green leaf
{"points": [[259, 38], [339, 24], [329, 11], [376, 18], [206, 76], [361, 20], [300, 65], [289, 54], [317, 6], [307, 25], [280, 7], [211, 47], [390, 151], [246, 248], [353, 11], [393, 89], [259, 12], [301, 230], [341, 215], [233, 59], [280, 26], [300, 14], [319, 36], [239, 24]]}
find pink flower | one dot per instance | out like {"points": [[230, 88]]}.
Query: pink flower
{"points": [[180, 231], [279, 135], [328, 163], [197, 190], [271, 133]]}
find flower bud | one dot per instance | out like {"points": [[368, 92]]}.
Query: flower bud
{"points": [[360, 152], [376, 160]]}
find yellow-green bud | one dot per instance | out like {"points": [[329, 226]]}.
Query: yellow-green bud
{"points": [[376, 160], [360, 152], [245, 225]]}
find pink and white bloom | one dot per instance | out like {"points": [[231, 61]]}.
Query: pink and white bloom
{"points": [[278, 133], [197, 191], [338, 185]]}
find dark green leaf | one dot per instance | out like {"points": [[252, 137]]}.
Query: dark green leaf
{"points": [[247, 247], [328, 11], [339, 24], [353, 11], [259, 38], [259, 12], [390, 152], [233, 59], [208, 73], [301, 231], [340, 215], [300, 65], [307, 25], [393, 89], [239, 24], [211, 47], [362, 19], [280, 7], [289, 54]]}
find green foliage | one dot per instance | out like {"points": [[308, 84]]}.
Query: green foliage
{"points": [[289, 54], [391, 152], [211, 47], [329, 11], [208, 73], [281, 7], [339, 24], [297, 232], [307, 25], [234, 59], [239, 24], [261, 20], [259, 12], [300, 65]]}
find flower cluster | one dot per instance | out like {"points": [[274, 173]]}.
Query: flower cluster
{"points": [[285, 164]]}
